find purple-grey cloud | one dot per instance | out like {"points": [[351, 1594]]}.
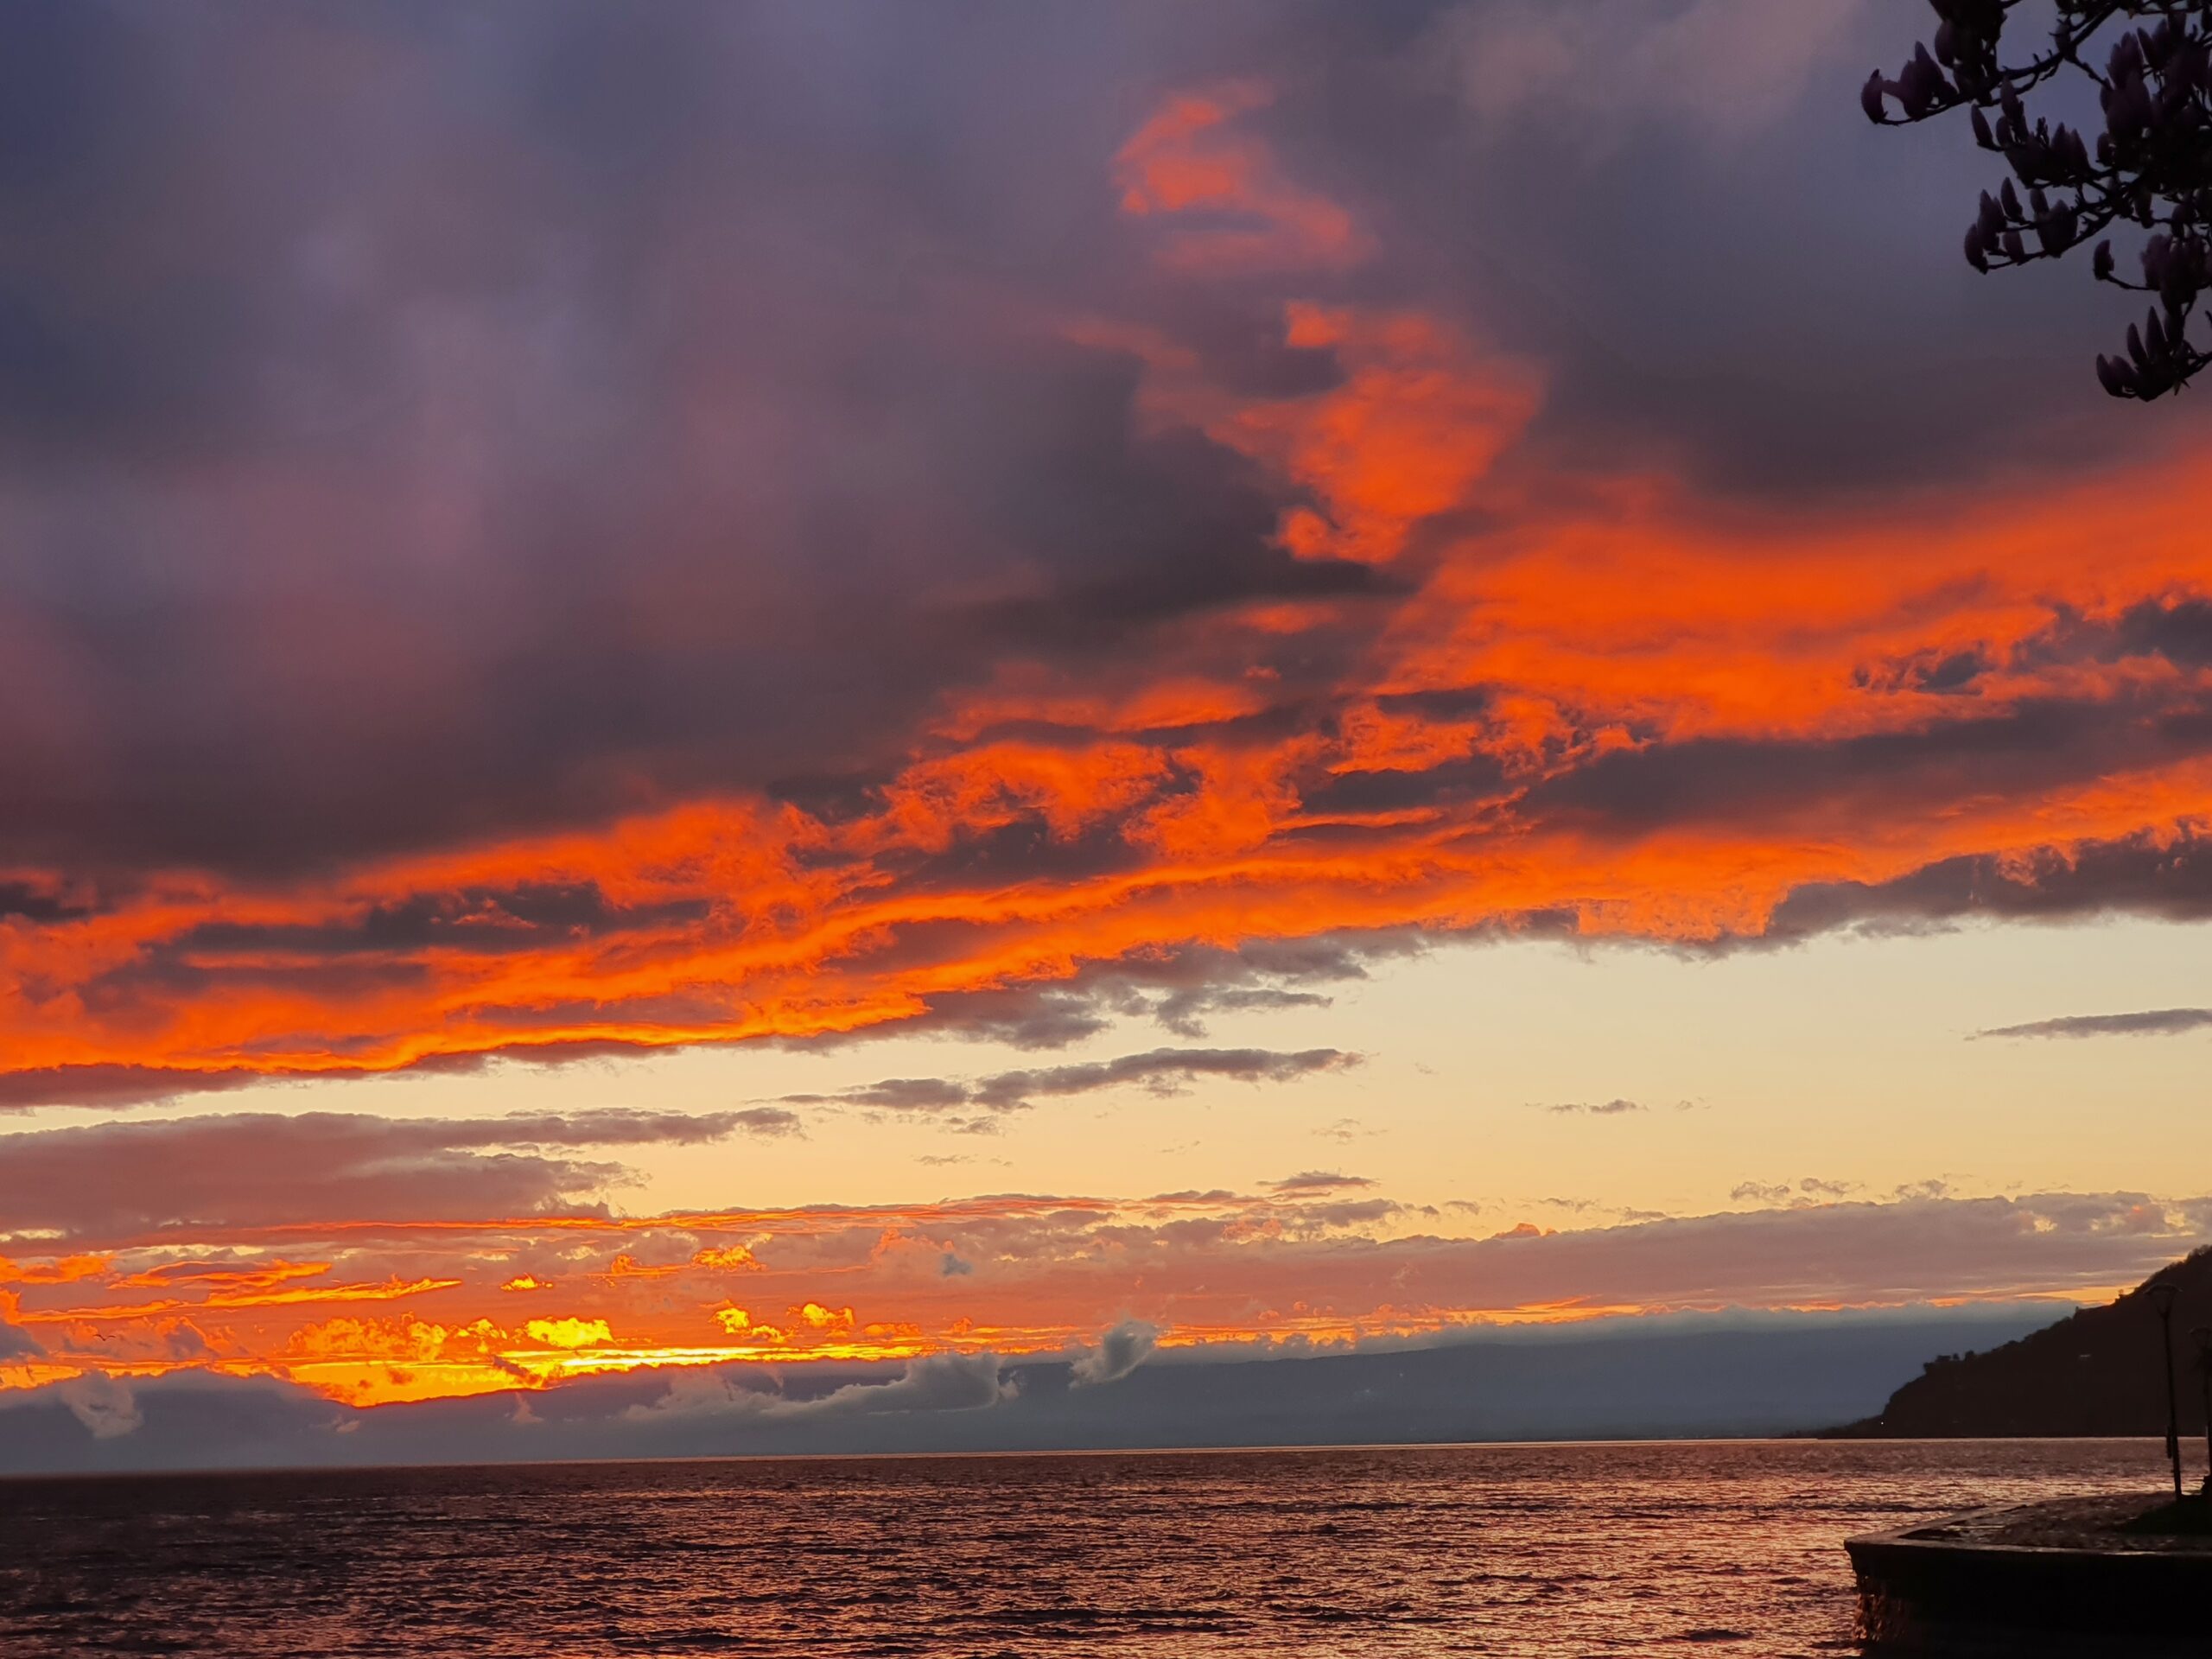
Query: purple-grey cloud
{"points": [[1159, 1071], [124, 1179], [1317, 1180], [2153, 1022]]}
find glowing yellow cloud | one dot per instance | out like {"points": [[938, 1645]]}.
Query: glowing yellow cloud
{"points": [[570, 1332]]}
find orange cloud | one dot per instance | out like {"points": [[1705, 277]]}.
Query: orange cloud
{"points": [[61, 1270], [390, 1290], [1594, 703], [1417, 421], [728, 1258], [814, 1316], [1301, 1265], [570, 1332], [1191, 159]]}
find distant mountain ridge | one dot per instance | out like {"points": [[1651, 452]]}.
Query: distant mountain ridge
{"points": [[1765, 1374], [2096, 1373]]}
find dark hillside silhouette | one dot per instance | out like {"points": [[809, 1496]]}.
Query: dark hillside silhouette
{"points": [[2096, 1373]]}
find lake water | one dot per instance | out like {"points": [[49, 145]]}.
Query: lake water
{"points": [[1513, 1550]]}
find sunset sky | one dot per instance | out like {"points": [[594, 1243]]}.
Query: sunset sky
{"points": [[710, 683]]}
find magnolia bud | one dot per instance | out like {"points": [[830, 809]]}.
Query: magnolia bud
{"points": [[1869, 97]]}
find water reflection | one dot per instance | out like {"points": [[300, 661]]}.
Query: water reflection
{"points": [[1644, 1549]]}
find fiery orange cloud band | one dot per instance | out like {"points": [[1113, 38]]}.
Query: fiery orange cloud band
{"points": [[1642, 624], [1533, 724], [418, 1316]]}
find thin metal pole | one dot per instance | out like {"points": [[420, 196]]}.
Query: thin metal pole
{"points": [[2205, 1384], [2173, 1400]]}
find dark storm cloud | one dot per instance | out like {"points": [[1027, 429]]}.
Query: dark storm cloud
{"points": [[2176, 627], [652, 348], [113, 1180], [435, 432], [2151, 1022], [1694, 146], [115, 1085], [544, 314], [36, 904], [2031, 748], [2166, 875], [1179, 988], [119, 1085], [1161, 1072], [468, 919]]}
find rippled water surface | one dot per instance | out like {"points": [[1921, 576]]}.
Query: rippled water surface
{"points": [[1514, 1550]]}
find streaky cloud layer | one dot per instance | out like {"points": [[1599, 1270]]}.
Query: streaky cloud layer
{"points": [[375, 1260], [1217, 578], [544, 536]]}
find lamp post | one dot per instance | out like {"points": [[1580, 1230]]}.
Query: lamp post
{"points": [[2203, 1335], [2162, 1298]]}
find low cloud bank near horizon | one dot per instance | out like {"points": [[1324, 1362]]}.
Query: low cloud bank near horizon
{"points": [[381, 1307], [1717, 1375]]}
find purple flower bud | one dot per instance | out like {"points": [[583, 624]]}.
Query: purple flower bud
{"points": [[1920, 84], [2154, 259], [2130, 110], [1869, 97], [1982, 135], [2101, 261], [2113, 375]]}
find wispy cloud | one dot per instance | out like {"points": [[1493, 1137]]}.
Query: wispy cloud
{"points": [[257, 1168], [771, 1122], [2153, 1022], [1812, 1189], [1159, 1071], [1319, 1180]]}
